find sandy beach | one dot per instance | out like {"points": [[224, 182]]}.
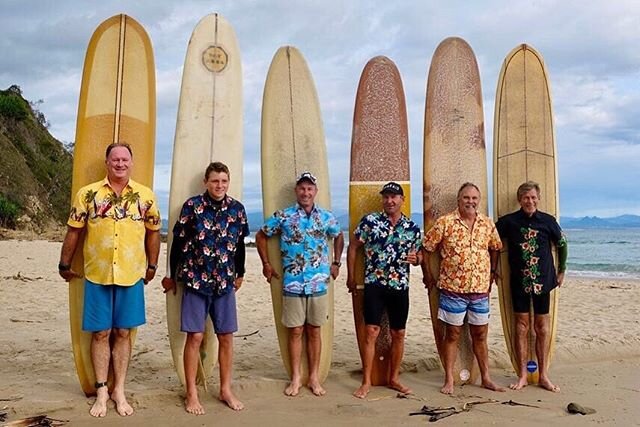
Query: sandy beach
{"points": [[597, 362]]}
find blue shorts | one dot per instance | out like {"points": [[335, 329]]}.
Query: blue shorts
{"points": [[112, 306], [453, 307], [196, 307]]}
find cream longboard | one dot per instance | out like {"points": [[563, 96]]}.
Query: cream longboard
{"points": [[209, 128], [454, 153], [292, 142], [524, 149], [117, 103], [379, 154]]}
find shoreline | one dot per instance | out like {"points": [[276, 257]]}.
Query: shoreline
{"points": [[597, 361]]}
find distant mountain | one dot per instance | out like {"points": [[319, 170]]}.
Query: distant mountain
{"points": [[622, 221]]}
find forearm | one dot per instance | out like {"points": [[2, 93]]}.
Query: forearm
{"points": [[563, 254], [70, 244], [338, 247], [152, 246], [261, 245], [240, 257]]}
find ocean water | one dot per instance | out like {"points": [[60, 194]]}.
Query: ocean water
{"points": [[596, 252], [604, 252]]}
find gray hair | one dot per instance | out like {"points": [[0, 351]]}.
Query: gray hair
{"points": [[465, 185], [528, 186]]}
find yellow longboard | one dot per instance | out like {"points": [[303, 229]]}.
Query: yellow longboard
{"points": [[209, 128], [379, 154], [117, 103], [524, 149], [292, 141], [454, 153]]}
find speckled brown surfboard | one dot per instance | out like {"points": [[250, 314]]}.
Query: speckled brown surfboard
{"points": [[454, 153], [524, 149], [379, 154]]}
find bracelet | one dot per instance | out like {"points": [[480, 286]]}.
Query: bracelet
{"points": [[64, 267], [265, 263], [336, 263], [152, 267]]}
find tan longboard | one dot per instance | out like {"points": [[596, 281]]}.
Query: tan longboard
{"points": [[117, 103], [292, 141], [379, 154], [454, 153], [208, 129], [524, 149]]}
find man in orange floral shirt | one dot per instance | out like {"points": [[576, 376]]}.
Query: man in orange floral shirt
{"points": [[469, 246]]}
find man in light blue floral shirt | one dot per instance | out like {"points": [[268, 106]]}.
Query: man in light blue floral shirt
{"points": [[391, 242], [304, 229]]}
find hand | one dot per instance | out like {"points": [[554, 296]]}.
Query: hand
{"points": [[238, 283], [68, 275], [560, 279], [412, 258], [168, 284], [352, 287], [268, 272], [335, 270], [149, 275]]}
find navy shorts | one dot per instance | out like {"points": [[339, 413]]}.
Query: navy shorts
{"points": [[112, 306], [196, 307], [379, 298], [522, 301]]}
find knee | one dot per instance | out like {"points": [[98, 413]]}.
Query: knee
{"points": [[296, 332], [522, 326], [541, 327], [452, 334], [122, 334], [479, 333], [372, 332], [195, 338], [397, 334], [101, 336]]}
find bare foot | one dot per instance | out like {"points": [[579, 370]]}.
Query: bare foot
{"points": [[122, 406], [395, 385], [99, 408], [193, 406], [293, 388], [447, 388], [362, 391], [231, 400], [490, 385], [548, 385], [520, 384], [316, 388]]}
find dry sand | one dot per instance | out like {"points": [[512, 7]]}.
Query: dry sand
{"points": [[597, 362]]}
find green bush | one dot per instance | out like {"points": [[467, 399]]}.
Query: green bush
{"points": [[12, 107], [8, 212]]}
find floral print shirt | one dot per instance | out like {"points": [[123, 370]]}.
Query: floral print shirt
{"points": [[385, 249], [209, 234], [114, 245], [304, 247], [465, 265], [530, 240]]}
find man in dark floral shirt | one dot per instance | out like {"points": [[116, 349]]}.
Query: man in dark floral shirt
{"points": [[391, 242], [208, 255], [530, 235]]}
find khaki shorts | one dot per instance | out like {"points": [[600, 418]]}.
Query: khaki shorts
{"points": [[299, 310]]}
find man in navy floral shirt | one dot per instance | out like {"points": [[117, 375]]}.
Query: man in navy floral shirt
{"points": [[530, 235], [208, 256], [391, 242], [304, 229]]}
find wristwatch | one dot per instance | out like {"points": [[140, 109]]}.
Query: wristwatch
{"points": [[64, 267], [152, 267], [336, 263]]}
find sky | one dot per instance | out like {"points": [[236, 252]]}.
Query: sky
{"points": [[590, 49]]}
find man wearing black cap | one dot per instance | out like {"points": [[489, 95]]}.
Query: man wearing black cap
{"points": [[391, 242], [304, 229]]}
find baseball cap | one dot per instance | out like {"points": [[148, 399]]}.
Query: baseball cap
{"points": [[392, 188], [306, 175]]}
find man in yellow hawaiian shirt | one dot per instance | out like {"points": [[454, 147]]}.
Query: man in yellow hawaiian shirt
{"points": [[121, 222], [469, 246]]}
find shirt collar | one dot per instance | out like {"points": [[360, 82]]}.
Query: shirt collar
{"points": [[131, 183], [524, 215], [208, 200], [301, 210]]}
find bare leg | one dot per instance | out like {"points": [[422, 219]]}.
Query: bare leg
{"points": [[367, 362], [397, 351], [522, 349], [541, 324], [479, 340], [295, 351], [225, 358], [100, 355], [314, 348], [121, 353], [449, 353], [191, 357]]}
